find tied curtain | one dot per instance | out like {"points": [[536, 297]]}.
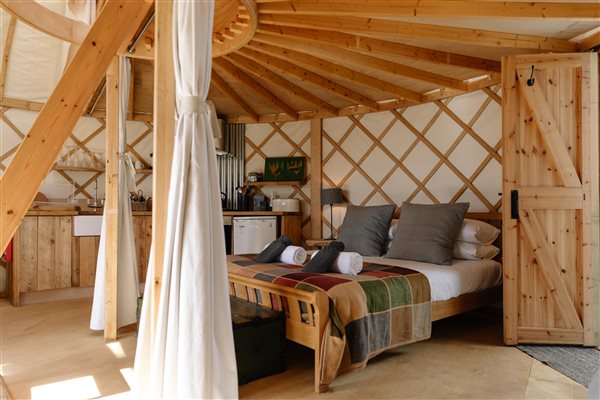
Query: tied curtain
{"points": [[192, 353], [127, 274]]}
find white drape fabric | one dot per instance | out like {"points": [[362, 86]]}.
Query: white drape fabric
{"points": [[192, 356], [127, 275]]}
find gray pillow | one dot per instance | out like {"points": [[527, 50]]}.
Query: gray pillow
{"points": [[428, 232], [365, 229]]}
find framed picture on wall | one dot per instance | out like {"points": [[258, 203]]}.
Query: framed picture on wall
{"points": [[284, 168]]}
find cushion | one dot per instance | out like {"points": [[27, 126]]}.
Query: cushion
{"points": [[322, 260], [480, 232], [474, 251], [365, 229], [427, 232], [273, 250]]}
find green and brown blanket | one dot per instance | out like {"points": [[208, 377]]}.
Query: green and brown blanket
{"points": [[380, 308]]}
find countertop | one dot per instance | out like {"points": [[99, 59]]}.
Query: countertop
{"points": [[257, 213]]}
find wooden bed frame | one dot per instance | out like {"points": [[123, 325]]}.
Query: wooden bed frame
{"points": [[310, 334]]}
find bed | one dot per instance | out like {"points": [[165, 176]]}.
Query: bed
{"points": [[455, 289]]}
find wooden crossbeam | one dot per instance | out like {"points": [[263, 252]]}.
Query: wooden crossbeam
{"points": [[254, 86], [324, 50], [37, 153], [228, 91], [45, 20], [411, 30], [378, 47], [310, 77], [6, 52], [436, 9], [262, 72]]}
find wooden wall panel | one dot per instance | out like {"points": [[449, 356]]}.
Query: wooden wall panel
{"points": [[436, 152], [46, 252], [28, 280], [63, 229], [88, 254]]}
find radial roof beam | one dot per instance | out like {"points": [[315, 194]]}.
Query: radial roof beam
{"points": [[6, 52], [264, 73], [382, 47], [409, 30], [228, 91], [305, 75], [437, 9], [377, 64], [254, 86]]}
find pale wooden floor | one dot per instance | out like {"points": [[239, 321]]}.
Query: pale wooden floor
{"points": [[49, 352]]}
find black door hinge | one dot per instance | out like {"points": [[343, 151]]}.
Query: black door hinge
{"points": [[514, 204]]}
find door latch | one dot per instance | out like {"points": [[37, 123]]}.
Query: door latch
{"points": [[514, 204]]}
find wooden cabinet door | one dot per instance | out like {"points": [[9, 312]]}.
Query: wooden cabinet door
{"points": [[550, 198]]}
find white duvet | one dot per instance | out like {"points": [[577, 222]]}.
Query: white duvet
{"points": [[448, 281]]}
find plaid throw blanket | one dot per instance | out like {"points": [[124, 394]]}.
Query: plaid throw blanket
{"points": [[381, 308]]}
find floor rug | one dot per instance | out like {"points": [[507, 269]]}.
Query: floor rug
{"points": [[578, 363]]}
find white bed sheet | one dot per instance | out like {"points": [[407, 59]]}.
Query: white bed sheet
{"points": [[448, 281]]}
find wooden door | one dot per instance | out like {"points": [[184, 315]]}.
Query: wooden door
{"points": [[550, 198]]}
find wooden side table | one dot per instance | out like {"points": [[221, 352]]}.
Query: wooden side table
{"points": [[318, 242]]}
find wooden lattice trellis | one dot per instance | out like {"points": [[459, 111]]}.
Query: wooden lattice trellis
{"points": [[81, 178], [360, 174]]}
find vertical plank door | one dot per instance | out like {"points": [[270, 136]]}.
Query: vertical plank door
{"points": [[550, 197]]}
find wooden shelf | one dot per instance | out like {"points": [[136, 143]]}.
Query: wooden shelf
{"points": [[274, 183], [89, 169]]}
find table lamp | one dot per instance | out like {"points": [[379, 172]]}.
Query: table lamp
{"points": [[331, 197]]}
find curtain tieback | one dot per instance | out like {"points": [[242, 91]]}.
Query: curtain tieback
{"points": [[193, 104]]}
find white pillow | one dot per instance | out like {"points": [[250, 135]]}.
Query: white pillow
{"points": [[474, 251], [475, 231], [393, 228]]}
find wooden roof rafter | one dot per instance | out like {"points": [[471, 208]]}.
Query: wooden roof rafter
{"points": [[376, 47], [305, 75], [6, 52], [228, 91], [435, 8], [410, 30]]}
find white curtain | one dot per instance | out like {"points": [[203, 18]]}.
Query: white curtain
{"points": [[192, 355], [127, 275]]}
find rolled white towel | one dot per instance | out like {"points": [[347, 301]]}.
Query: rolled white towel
{"points": [[293, 255], [347, 263]]}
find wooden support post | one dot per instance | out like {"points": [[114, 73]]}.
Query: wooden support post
{"points": [[111, 204], [316, 154], [164, 127], [22, 179]]}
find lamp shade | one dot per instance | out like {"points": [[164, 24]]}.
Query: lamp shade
{"points": [[331, 196]]}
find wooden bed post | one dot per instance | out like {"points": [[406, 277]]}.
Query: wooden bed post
{"points": [[164, 127], [322, 319]]}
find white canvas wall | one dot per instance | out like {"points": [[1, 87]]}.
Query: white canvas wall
{"points": [[15, 123], [444, 151]]}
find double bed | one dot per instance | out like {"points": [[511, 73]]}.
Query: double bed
{"points": [[316, 309]]}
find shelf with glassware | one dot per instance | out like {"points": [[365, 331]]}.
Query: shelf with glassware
{"points": [[94, 169]]}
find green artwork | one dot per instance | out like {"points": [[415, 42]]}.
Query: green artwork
{"points": [[284, 168]]}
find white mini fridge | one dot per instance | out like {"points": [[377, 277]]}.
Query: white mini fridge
{"points": [[252, 234]]}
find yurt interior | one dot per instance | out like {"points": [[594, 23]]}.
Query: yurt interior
{"points": [[287, 199]]}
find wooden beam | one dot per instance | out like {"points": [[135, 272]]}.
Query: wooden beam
{"points": [[323, 50], [590, 42], [111, 203], [264, 73], [131, 90], [228, 91], [436, 9], [282, 51], [6, 52], [411, 30], [45, 20], [378, 47], [310, 77], [163, 142], [254, 86], [316, 155], [39, 150]]}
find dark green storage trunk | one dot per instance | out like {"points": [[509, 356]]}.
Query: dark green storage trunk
{"points": [[259, 337]]}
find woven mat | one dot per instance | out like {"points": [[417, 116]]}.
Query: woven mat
{"points": [[578, 363]]}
